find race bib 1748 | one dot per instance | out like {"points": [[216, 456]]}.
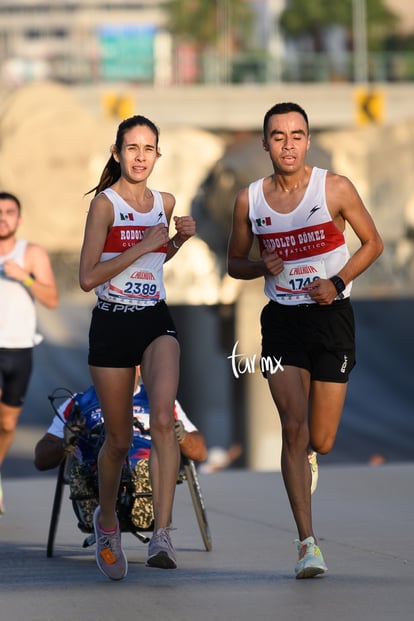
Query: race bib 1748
{"points": [[296, 276]]}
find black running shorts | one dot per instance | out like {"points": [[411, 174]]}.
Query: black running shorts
{"points": [[120, 333], [318, 338], [15, 372]]}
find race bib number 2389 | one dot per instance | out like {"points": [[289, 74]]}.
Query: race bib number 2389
{"points": [[138, 286]]}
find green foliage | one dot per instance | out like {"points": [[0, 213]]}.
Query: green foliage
{"points": [[204, 22], [313, 16], [396, 42], [302, 16]]}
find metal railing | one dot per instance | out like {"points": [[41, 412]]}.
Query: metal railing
{"points": [[79, 67]]}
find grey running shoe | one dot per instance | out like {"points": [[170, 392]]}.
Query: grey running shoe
{"points": [[110, 556], [160, 550], [310, 560], [313, 463]]}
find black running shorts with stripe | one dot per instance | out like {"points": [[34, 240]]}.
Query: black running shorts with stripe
{"points": [[318, 338], [119, 334]]}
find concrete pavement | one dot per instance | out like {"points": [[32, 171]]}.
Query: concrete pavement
{"points": [[363, 518]]}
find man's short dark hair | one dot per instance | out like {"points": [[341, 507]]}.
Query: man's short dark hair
{"points": [[4, 196], [284, 108]]}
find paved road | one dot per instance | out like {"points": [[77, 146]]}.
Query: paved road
{"points": [[363, 516]]}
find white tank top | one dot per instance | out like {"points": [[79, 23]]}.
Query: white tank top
{"points": [[307, 240], [17, 308], [140, 284]]}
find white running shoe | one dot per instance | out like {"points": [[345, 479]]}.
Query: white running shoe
{"points": [[310, 560]]}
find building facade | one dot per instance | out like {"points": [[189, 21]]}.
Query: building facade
{"points": [[79, 41]]}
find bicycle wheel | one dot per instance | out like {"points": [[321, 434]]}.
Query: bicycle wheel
{"points": [[198, 502], [57, 503]]}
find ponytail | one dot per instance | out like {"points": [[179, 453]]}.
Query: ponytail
{"points": [[110, 174]]}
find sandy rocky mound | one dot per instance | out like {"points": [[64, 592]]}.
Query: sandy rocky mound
{"points": [[52, 151]]}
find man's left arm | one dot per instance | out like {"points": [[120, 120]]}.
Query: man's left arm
{"points": [[346, 206], [353, 211]]}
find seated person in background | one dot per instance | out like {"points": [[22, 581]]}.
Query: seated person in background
{"points": [[62, 439], [52, 447]]}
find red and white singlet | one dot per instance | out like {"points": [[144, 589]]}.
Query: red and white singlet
{"points": [[307, 240], [140, 284]]}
